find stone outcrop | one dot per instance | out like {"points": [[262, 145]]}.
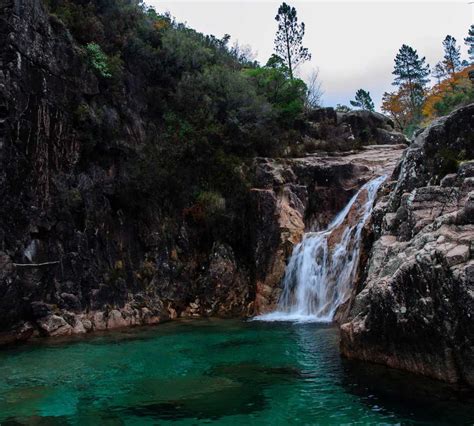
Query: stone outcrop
{"points": [[328, 130], [415, 308]]}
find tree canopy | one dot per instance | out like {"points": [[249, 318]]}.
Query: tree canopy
{"points": [[289, 38], [469, 40], [452, 55], [363, 100], [412, 74]]}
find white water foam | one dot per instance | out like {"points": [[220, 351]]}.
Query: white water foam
{"points": [[319, 275]]}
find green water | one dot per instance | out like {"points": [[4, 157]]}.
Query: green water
{"points": [[200, 372]]}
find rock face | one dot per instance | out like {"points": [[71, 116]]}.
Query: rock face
{"points": [[416, 307], [328, 130], [294, 196], [74, 257]]}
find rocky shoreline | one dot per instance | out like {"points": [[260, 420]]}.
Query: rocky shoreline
{"points": [[291, 197], [416, 308]]}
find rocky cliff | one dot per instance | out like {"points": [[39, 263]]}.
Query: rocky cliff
{"points": [[81, 249], [73, 255], [416, 307]]}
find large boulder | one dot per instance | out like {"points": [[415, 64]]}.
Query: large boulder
{"points": [[372, 128], [328, 130], [415, 310]]}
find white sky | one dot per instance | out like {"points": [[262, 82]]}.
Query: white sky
{"points": [[353, 43]]}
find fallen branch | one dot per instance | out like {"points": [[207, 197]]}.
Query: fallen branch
{"points": [[34, 265]]}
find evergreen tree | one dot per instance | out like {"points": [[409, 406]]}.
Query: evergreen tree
{"points": [[469, 40], [363, 100], [452, 55], [411, 72], [289, 38], [439, 72]]}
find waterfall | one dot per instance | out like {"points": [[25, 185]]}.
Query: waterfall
{"points": [[320, 273]]}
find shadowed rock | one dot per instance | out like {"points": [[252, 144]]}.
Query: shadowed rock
{"points": [[416, 307]]}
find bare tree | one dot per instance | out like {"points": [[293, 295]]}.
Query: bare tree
{"points": [[314, 93], [243, 53]]}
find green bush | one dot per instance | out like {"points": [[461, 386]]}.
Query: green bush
{"points": [[98, 60], [286, 95]]}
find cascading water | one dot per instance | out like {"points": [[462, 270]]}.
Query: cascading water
{"points": [[321, 270]]}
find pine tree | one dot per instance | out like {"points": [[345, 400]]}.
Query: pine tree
{"points": [[411, 72], [469, 40], [439, 72], [363, 100], [452, 55], [289, 38]]}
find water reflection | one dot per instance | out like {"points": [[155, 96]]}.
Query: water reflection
{"points": [[417, 398], [228, 372]]}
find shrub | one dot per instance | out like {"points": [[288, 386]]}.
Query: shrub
{"points": [[447, 95], [98, 60], [286, 95]]}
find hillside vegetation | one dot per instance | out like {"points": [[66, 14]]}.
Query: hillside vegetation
{"points": [[212, 107]]}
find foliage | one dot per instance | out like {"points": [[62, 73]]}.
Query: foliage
{"points": [[183, 112], [413, 104], [98, 60], [411, 72], [314, 92], [244, 55], [452, 55], [287, 96], [363, 100], [410, 68], [455, 90], [397, 106], [439, 72], [209, 207], [289, 38], [469, 40]]}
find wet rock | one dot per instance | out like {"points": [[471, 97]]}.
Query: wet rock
{"points": [[98, 321], [224, 287], [306, 196], [79, 327], [63, 158]]}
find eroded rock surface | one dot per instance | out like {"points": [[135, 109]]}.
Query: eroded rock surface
{"points": [[302, 194], [416, 309]]}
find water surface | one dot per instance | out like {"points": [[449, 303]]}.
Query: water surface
{"points": [[226, 372]]}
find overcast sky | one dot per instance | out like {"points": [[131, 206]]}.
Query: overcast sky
{"points": [[353, 43]]}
